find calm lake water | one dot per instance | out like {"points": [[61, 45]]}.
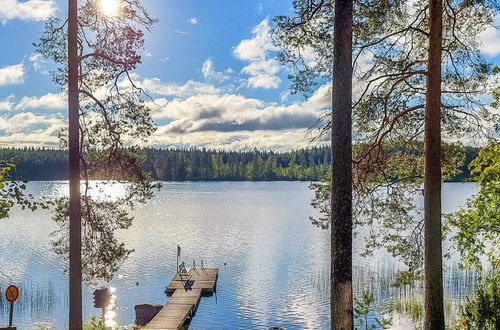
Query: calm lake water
{"points": [[274, 265]]}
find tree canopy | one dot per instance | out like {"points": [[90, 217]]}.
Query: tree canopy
{"points": [[113, 117]]}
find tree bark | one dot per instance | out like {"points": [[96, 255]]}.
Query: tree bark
{"points": [[341, 194], [75, 256], [434, 312]]}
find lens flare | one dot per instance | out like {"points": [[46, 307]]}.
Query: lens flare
{"points": [[110, 8]]}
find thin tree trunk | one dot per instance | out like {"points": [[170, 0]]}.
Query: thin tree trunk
{"points": [[341, 202], [434, 313], [75, 256]]}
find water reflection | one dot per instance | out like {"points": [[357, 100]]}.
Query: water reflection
{"points": [[110, 316], [274, 265]]}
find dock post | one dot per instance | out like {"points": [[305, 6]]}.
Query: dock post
{"points": [[178, 255]]}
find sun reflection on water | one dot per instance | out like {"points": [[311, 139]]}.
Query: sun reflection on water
{"points": [[110, 315]]}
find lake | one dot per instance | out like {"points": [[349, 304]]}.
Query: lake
{"points": [[273, 264]]}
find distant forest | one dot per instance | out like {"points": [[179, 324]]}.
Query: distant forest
{"points": [[198, 164]]}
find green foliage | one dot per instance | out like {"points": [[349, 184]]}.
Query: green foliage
{"points": [[362, 308], [412, 307], [12, 192], [94, 323], [496, 93], [477, 227], [406, 278], [390, 43], [476, 233], [483, 310], [383, 198]]}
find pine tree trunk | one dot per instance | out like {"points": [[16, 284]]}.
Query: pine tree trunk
{"points": [[75, 257], [434, 313], [341, 197]]}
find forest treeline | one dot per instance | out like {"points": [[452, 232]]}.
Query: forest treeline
{"points": [[40, 164]]}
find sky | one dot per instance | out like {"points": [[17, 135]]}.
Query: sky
{"points": [[210, 66]]}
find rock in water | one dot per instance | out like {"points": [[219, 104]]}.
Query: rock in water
{"points": [[144, 313]]}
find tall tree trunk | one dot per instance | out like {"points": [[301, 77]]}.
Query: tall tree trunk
{"points": [[341, 202], [75, 256], [434, 313]]}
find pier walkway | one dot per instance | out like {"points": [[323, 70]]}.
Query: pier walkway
{"points": [[185, 293]]}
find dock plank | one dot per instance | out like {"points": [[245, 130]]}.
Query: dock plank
{"points": [[185, 297]]}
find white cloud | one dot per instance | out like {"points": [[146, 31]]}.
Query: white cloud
{"points": [[28, 121], [262, 71], [52, 101], [490, 39], [209, 73], [270, 66], [36, 10], [234, 113], [29, 129], [241, 141], [13, 74], [284, 95], [193, 20], [156, 86], [264, 81], [221, 121], [7, 104], [207, 68], [48, 101], [38, 62], [257, 47], [322, 97]]}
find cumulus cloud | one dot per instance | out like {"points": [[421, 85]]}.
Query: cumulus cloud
{"points": [[48, 101], [262, 70], [490, 39], [264, 81], [156, 86], [29, 122], [13, 74], [29, 129], [193, 20], [8, 103], [233, 113], [257, 47], [35, 10], [227, 121], [52, 101]]}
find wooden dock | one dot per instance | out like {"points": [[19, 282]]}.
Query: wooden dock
{"points": [[185, 294]]}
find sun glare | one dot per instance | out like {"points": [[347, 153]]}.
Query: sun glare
{"points": [[110, 7]]}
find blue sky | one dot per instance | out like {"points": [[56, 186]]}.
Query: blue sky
{"points": [[204, 58]]}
